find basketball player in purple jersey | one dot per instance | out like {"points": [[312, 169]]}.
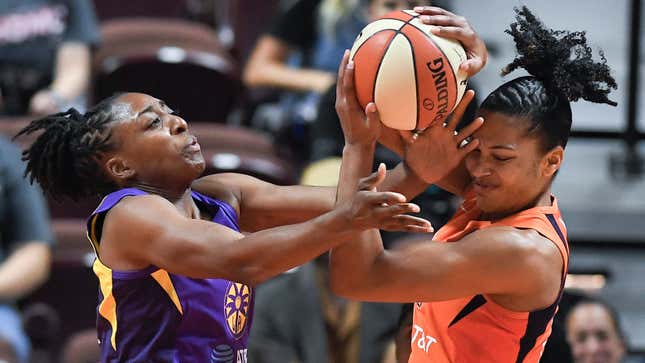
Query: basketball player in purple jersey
{"points": [[175, 273]]}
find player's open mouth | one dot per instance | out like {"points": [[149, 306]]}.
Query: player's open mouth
{"points": [[193, 145]]}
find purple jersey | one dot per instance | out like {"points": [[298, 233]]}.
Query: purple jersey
{"points": [[152, 315]]}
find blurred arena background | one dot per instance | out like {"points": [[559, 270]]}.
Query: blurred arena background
{"points": [[193, 53]]}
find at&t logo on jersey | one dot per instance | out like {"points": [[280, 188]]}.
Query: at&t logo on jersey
{"points": [[225, 354], [420, 340]]}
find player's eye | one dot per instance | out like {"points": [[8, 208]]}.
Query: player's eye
{"points": [[154, 122]]}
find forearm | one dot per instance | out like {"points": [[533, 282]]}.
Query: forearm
{"points": [[267, 66], [346, 270], [280, 75], [256, 257], [24, 270], [285, 205], [403, 180], [295, 204], [72, 71], [356, 164]]}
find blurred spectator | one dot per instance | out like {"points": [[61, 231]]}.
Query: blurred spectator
{"points": [[320, 30], [25, 249], [399, 350], [298, 319], [301, 52], [45, 54], [81, 347], [594, 333], [557, 349]]}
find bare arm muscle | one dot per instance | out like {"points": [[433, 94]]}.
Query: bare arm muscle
{"points": [[148, 230], [499, 261]]}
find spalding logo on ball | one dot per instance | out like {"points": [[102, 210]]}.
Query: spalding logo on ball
{"points": [[411, 74]]}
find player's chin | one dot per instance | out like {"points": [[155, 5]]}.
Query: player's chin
{"points": [[487, 204], [196, 163]]}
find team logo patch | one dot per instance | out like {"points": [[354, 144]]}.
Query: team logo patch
{"points": [[236, 308]]}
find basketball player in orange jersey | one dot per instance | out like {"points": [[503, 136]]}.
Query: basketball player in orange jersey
{"points": [[488, 285]]}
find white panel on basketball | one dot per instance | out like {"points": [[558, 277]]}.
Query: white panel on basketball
{"points": [[453, 51], [411, 12], [395, 92], [372, 28]]}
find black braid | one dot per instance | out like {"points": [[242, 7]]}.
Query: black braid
{"points": [[562, 70], [64, 158]]}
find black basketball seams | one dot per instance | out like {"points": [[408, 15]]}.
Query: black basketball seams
{"points": [[454, 74]]}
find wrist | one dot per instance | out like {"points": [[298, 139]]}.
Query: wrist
{"points": [[358, 146], [413, 176], [336, 221]]}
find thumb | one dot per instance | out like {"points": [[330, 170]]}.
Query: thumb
{"points": [[380, 176], [371, 181], [372, 113], [471, 66]]}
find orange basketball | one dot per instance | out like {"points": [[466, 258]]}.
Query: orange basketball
{"points": [[411, 74]]}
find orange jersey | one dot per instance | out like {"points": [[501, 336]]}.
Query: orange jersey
{"points": [[474, 328]]}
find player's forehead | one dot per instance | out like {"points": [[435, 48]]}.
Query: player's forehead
{"points": [[129, 106], [138, 102], [501, 130]]}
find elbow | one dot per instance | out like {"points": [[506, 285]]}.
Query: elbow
{"points": [[342, 284], [251, 274], [251, 277], [339, 287]]}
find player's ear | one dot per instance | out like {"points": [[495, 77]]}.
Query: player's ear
{"points": [[119, 169], [552, 161]]}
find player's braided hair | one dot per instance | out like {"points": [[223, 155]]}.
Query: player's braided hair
{"points": [[561, 70], [64, 157]]}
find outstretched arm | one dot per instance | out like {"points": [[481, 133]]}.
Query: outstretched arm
{"points": [[148, 230]]}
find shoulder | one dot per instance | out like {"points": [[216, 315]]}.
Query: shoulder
{"points": [[140, 208], [527, 255], [527, 264], [224, 186], [524, 244], [524, 253]]}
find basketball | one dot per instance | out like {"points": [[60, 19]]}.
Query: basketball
{"points": [[410, 74]]}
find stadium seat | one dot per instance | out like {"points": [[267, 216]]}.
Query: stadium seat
{"points": [[231, 137], [178, 61], [264, 166]]}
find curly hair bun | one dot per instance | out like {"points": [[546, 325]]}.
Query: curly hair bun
{"points": [[560, 59]]}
